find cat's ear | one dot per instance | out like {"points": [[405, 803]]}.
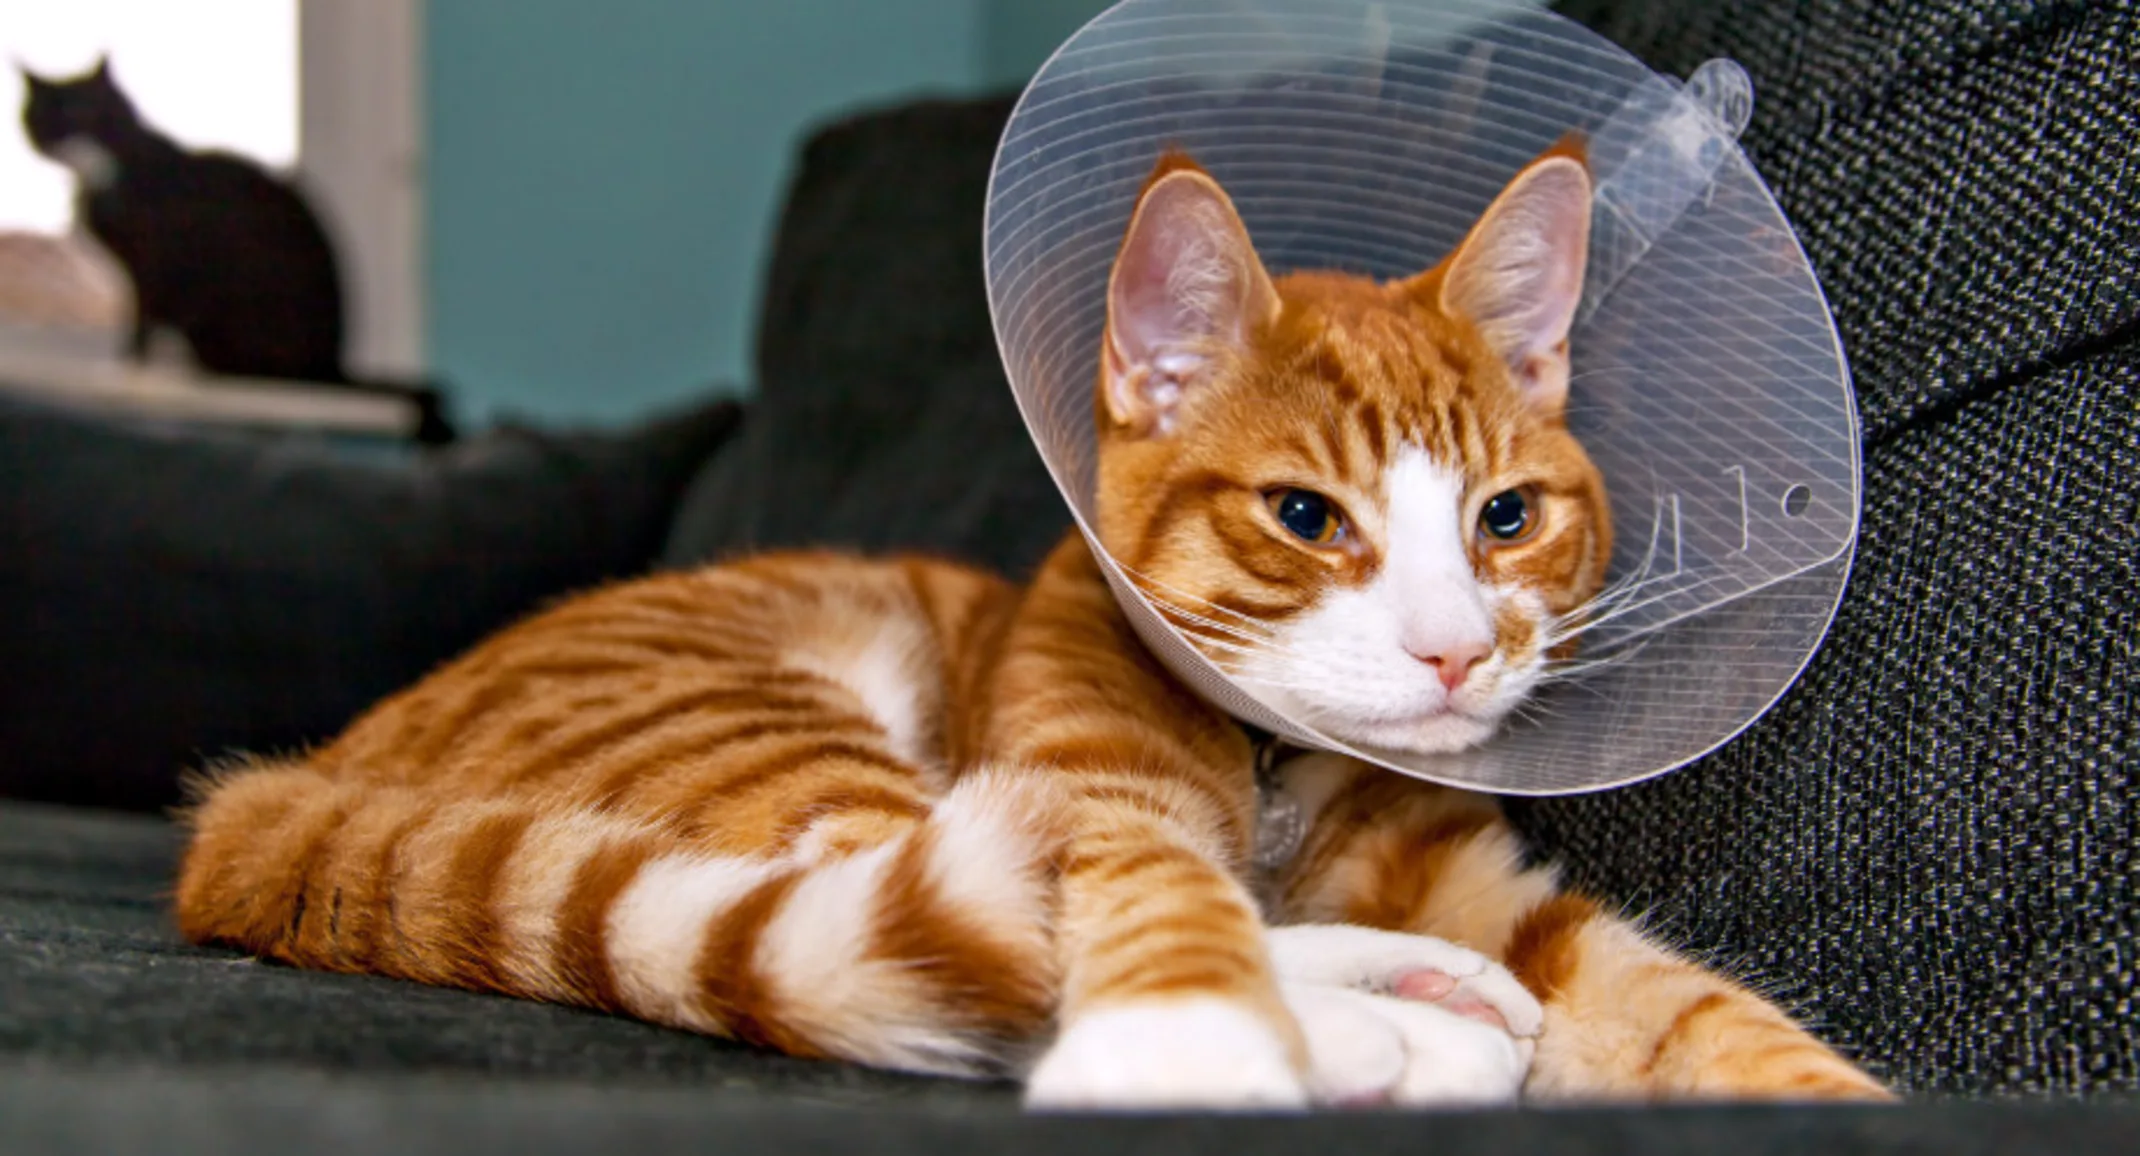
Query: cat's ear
{"points": [[1518, 276], [1186, 290], [103, 69]]}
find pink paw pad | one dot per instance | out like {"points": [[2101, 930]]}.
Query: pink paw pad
{"points": [[1441, 989]]}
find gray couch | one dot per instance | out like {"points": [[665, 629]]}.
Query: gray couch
{"points": [[1928, 846]]}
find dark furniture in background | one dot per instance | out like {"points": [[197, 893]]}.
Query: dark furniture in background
{"points": [[174, 592], [1929, 845]]}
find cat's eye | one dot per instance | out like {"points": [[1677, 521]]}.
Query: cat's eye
{"points": [[1308, 515], [1507, 516]]}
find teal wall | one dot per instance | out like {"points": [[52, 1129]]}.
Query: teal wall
{"points": [[602, 179], [1017, 36]]}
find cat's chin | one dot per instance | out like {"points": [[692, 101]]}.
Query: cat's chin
{"points": [[1443, 733], [1411, 733]]}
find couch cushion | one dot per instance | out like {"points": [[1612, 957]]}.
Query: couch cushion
{"points": [[948, 471], [883, 420], [1930, 842], [876, 279], [174, 593], [1962, 174], [92, 970], [117, 1037]]}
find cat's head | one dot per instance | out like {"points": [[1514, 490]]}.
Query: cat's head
{"points": [[1358, 498], [89, 108]]}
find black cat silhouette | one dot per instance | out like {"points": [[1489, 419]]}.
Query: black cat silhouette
{"points": [[217, 247]]}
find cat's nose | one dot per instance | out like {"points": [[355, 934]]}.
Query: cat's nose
{"points": [[1453, 662]]}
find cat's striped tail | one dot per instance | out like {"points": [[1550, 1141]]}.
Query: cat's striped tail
{"points": [[928, 952]]}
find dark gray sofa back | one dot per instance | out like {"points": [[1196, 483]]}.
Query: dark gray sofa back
{"points": [[1928, 846], [174, 593]]}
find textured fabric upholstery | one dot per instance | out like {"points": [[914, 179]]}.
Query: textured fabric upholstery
{"points": [[174, 593], [1929, 844], [883, 421], [117, 1038]]}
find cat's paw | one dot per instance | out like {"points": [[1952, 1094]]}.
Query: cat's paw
{"points": [[1190, 1053], [1412, 968], [1367, 1049], [1356, 1056]]}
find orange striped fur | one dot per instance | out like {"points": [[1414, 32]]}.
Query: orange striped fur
{"points": [[904, 813], [1624, 1016]]}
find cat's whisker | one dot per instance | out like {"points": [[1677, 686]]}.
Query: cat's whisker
{"points": [[1556, 637], [1579, 630], [1600, 371], [1573, 669], [1578, 686], [1534, 711], [1205, 630], [1276, 683], [1278, 663], [1642, 575], [1562, 689], [1646, 567], [1222, 651], [1150, 584], [1621, 588], [1190, 620], [1316, 685], [1235, 648], [1529, 716], [1578, 668], [1610, 599], [1307, 710], [1247, 627]]}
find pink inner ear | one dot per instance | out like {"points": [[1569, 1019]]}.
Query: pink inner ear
{"points": [[1186, 284], [1144, 313], [1519, 275]]}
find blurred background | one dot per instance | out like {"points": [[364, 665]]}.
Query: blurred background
{"points": [[560, 210]]}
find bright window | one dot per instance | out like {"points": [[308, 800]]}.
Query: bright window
{"points": [[211, 73]]}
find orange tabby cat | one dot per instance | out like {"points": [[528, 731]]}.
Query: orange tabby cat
{"points": [[903, 813]]}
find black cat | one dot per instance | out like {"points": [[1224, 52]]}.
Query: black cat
{"points": [[217, 248]]}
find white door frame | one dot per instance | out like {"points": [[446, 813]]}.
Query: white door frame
{"points": [[361, 158]]}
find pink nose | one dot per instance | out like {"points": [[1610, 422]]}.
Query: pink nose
{"points": [[1454, 663]]}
